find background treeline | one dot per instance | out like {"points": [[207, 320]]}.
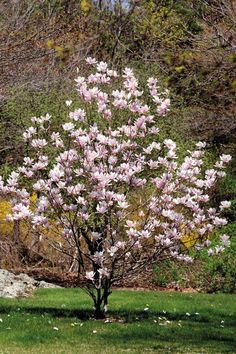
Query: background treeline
{"points": [[189, 45]]}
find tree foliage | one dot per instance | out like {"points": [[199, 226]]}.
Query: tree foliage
{"points": [[88, 179]]}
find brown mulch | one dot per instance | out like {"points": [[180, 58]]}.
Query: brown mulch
{"points": [[143, 281]]}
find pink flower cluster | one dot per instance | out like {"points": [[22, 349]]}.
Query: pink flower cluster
{"points": [[99, 164]]}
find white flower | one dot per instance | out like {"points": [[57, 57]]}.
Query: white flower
{"points": [[219, 249], [123, 205], [131, 223], [102, 66], [225, 158], [201, 144], [56, 173], [68, 103], [20, 211], [68, 127], [219, 221], [170, 144], [210, 252], [225, 240], [29, 132], [78, 114], [38, 143], [91, 61], [225, 204], [112, 250], [95, 235], [102, 207], [103, 273], [39, 220], [90, 275]]}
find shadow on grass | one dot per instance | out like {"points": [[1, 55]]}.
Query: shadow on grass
{"points": [[202, 339], [126, 315], [196, 330]]}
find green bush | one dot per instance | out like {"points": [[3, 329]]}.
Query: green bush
{"points": [[167, 272], [219, 272], [15, 114]]}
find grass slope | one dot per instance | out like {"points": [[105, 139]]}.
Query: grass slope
{"points": [[60, 321]]}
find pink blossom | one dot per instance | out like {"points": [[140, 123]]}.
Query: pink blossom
{"points": [[91, 61], [21, 211], [201, 144], [80, 80], [28, 161], [123, 205], [29, 133], [170, 144], [96, 235], [68, 127], [225, 158], [225, 204], [112, 73], [112, 251], [78, 115], [39, 220], [102, 66], [41, 186], [210, 252], [219, 221], [43, 204], [56, 173], [164, 106], [219, 249], [38, 143], [90, 275], [225, 240], [56, 139], [102, 208], [103, 273]]}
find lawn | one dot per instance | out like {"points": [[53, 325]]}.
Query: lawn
{"points": [[60, 321]]}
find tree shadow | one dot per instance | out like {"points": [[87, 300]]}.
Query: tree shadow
{"points": [[195, 329], [125, 315]]}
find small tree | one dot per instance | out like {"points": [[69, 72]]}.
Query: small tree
{"points": [[89, 188]]}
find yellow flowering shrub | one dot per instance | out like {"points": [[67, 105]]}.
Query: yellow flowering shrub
{"points": [[6, 227], [33, 240], [189, 239]]}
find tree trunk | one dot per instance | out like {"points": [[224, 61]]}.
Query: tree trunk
{"points": [[101, 303], [99, 311]]}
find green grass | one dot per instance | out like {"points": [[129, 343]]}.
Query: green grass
{"points": [[174, 323]]}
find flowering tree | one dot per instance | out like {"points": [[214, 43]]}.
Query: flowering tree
{"points": [[97, 167]]}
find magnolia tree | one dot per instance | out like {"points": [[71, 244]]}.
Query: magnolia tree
{"points": [[88, 174]]}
